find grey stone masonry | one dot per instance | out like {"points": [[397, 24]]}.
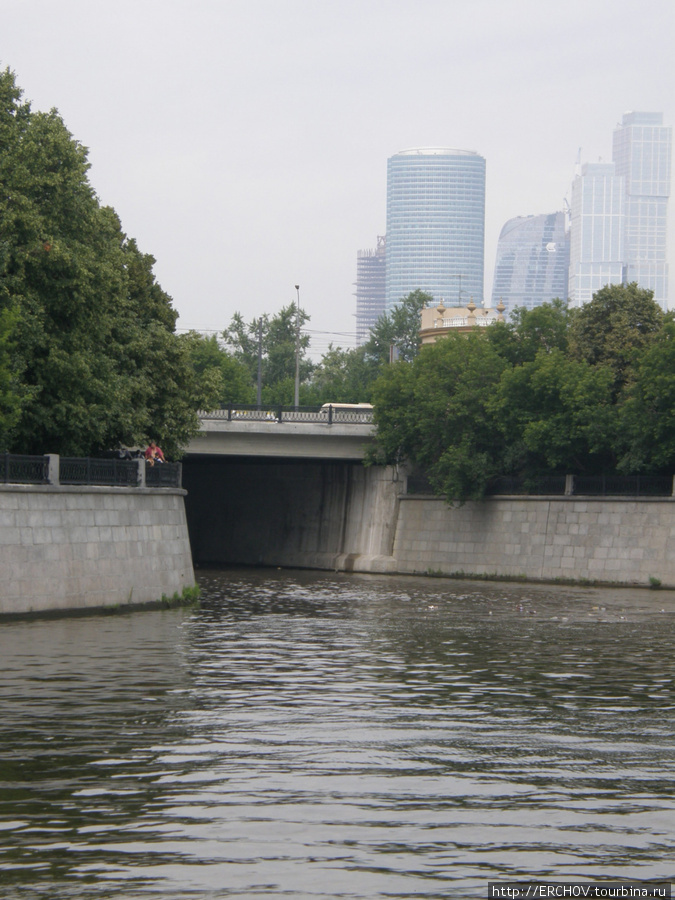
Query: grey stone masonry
{"points": [[621, 540], [87, 547]]}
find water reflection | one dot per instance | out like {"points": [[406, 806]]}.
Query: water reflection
{"points": [[320, 735]]}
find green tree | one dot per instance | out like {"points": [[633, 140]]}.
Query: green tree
{"points": [[647, 408], [399, 328], [222, 378], [618, 321], [94, 350], [544, 327], [555, 414], [10, 400], [342, 376], [435, 413], [277, 341]]}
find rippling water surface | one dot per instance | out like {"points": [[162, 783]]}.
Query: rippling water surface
{"points": [[309, 735]]}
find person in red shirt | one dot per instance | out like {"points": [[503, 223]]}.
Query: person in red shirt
{"points": [[153, 454]]}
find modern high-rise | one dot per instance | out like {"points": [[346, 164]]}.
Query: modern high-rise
{"points": [[532, 262], [618, 213], [370, 289], [435, 225], [597, 226], [642, 156]]}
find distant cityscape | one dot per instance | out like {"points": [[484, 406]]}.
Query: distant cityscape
{"points": [[612, 230]]}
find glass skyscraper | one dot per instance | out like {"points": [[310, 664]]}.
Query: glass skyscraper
{"points": [[435, 225], [597, 227], [618, 213], [642, 156], [532, 262]]}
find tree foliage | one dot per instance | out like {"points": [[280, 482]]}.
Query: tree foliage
{"points": [[9, 395], [647, 410], [620, 320], [221, 378], [555, 414], [399, 328], [553, 390], [544, 328], [435, 413], [342, 376], [95, 358], [275, 338], [349, 375]]}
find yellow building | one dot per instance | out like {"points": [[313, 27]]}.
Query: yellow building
{"points": [[437, 320]]}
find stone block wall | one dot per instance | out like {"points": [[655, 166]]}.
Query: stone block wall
{"points": [[65, 548], [601, 539], [343, 516]]}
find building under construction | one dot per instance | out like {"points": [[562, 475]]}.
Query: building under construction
{"points": [[370, 288]]}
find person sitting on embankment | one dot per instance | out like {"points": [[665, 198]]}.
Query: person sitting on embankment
{"points": [[154, 454]]}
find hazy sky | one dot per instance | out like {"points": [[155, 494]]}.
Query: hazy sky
{"points": [[244, 143]]}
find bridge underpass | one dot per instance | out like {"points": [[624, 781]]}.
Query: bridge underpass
{"points": [[286, 493]]}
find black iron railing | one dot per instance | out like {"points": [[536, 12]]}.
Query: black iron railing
{"points": [[624, 485], [163, 475], [18, 469], [566, 485], [85, 470], [536, 484], [328, 414]]}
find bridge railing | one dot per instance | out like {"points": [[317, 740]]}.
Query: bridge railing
{"points": [[328, 414]]}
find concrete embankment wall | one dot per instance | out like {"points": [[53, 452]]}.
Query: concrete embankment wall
{"points": [[66, 548], [344, 516], [601, 539]]}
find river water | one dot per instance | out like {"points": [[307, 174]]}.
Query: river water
{"points": [[314, 735]]}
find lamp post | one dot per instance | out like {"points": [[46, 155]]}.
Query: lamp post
{"points": [[259, 393], [297, 349]]}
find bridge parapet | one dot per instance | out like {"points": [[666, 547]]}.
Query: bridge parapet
{"points": [[329, 413], [331, 432]]}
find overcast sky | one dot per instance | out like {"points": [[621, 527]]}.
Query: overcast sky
{"points": [[244, 143]]}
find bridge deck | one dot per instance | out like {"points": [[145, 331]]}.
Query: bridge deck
{"points": [[296, 434]]}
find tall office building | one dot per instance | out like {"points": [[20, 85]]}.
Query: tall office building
{"points": [[532, 262], [642, 156], [597, 226], [435, 225], [618, 213], [370, 289]]}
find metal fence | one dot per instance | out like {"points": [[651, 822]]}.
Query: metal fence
{"points": [[163, 475], [84, 470], [17, 469], [329, 414], [537, 485], [624, 485], [563, 485]]}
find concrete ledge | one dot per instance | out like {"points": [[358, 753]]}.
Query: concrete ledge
{"points": [[86, 489]]}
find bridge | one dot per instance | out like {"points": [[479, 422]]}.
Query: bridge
{"points": [[329, 432], [285, 486]]}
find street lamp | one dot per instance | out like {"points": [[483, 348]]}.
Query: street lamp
{"points": [[297, 350]]}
